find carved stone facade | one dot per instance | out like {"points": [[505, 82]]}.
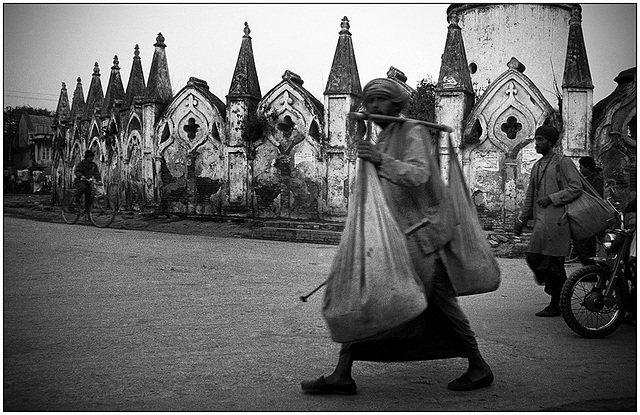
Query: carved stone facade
{"points": [[498, 149], [270, 156], [495, 112], [288, 166], [614, 137], [288, 155]]}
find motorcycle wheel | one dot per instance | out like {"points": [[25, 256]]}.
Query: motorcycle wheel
{"points": [[583, 306]]}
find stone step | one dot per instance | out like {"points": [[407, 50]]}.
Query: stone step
{"points": [[329, 233], [314, 236], [306, 225]]}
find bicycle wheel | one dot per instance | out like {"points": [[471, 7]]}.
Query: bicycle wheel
{"points": [[70, 212], [103, 211]]}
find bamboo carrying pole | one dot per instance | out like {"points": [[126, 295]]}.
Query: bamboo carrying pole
{"points": [[377, 117]]}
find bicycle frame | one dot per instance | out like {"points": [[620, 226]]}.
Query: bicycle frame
{"points": [[101, 210]]}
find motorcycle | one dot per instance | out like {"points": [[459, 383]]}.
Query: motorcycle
{"points": [[596, 299]]}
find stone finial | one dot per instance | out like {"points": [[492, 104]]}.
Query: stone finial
{"points": [[516, 64], [160, 41], [453, 18], [64, 86], [96, 69], [395, 73], [292, 77], [576, 14], [246, 30], [79, 80], [116, 62], [345, 26], [201, 83], [136, 52]]}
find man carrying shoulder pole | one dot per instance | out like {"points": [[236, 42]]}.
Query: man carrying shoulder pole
{"points": [[414, 191]]}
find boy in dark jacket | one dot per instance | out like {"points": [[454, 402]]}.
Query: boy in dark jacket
{"points": [[83, 171]]}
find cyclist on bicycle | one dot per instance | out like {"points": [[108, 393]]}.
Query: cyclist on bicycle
{"points": [[85, 170]]}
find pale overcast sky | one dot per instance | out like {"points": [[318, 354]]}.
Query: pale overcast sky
{"points": [[47, 44]]}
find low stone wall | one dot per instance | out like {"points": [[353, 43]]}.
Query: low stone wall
{"points": [[503, 243]]}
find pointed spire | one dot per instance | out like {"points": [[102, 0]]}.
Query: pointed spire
{"points": [[136, 86], [77, 104], [454, 69], [344, 77], [244, 82], [576, 66], [95, 96], [159, 85], [63, 111], [115, 90]]}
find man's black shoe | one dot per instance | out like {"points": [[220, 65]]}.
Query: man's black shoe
{"points": [[549, 311]]}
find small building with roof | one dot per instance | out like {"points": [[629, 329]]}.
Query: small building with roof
{"points": [[33, 145]]}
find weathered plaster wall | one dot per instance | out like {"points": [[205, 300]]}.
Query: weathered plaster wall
{"points": [[307, 181], [132, 182], [577, 114], [289, 173], [266, 180], [536, 34], [341, 133]]}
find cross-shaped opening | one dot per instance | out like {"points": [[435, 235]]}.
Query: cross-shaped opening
{"points": [[286, 126], [191, 128], [511, 127]]}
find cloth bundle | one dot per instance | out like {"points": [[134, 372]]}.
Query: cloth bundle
{"points": [[589, 214], [372, 286], [468, 256]]}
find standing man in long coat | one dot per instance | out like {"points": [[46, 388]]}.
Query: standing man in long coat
{"points": [[554, 182]]}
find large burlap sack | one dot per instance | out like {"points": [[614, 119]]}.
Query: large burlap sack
{"points": [[468, 257], [372, 286]]}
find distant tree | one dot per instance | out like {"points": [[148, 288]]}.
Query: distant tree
{"points": [[29, 110], [423, 105]]}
